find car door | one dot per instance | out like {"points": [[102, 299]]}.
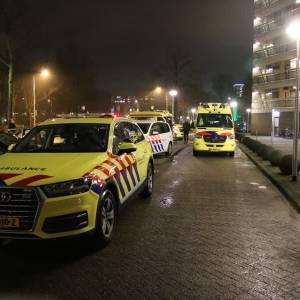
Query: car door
{"points": [[143, 151], [133, 163], [166, 136], [155, 138]]}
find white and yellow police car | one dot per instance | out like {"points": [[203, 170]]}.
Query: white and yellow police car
{"points": [[71, 176], [159, 134]]}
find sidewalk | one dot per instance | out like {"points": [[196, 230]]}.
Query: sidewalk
{"points": [[282, 144], [290, 189], [178, 146]]}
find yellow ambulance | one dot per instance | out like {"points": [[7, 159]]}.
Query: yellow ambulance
{"points": [[214, 129]]}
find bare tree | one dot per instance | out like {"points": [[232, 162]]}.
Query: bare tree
{"points": [[10, 13], [6, 54], [176, 70]]}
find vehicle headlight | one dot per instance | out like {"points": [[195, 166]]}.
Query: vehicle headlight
{"points": [[66, 188], [231, 137]]}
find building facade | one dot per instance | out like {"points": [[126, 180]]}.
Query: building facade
{"points": [[238, 89], [122, 105], [274, 66]]}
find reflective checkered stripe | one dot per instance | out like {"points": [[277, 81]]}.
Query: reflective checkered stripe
{"points": [[156, 143], [122, 170]]}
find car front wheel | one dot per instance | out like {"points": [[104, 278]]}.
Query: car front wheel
{"points": [[106, 218], [148, 189], [170, 150]]}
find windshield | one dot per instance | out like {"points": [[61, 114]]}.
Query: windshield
{"points": [[214, 120], [145, 127], [65, 138]]}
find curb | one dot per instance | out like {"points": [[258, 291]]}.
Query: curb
{"points": [[179, 150], [280, 184]]}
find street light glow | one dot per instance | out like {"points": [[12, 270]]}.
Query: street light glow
{"points": [[293, 30], [193, 110], [45, 73], [234, 104], [158, 90], [173, 93], [248, 110]]}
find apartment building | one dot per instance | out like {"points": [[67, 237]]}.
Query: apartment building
{"points": [[274, 66]]}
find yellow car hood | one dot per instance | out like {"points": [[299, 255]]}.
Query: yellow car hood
{"points": [[33, 169]]}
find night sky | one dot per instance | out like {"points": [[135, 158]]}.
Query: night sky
{"points": [[127, 39]]}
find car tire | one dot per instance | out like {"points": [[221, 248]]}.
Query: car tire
{"points": [[148, 189], [195, 153], [170, 150], [231, 154], [105, 219]]}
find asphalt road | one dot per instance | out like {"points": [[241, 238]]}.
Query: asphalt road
{"points": [[215, 228]]}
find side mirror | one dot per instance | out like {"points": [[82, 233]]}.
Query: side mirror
{"points": [[155, 133], [126, 147], [10, 147]]}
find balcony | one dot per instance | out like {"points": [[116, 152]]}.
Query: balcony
{"points": [[267, 27], [275, 54], [265, 8], [275, 80], [267, 105], [261, 4], [276, 23]]}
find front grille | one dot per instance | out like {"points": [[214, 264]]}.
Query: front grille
{"points": [[215, 139], [22, 203]]}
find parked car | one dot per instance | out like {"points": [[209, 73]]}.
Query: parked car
{"points": [[160, 136]]}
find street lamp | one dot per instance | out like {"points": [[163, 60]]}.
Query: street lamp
{"points": [[173, 93], [51, 106], [161, 91], [158, 90], [234, 104], [44, 73], [293, 30], [248, 110], [137, 105], [193, 110]]}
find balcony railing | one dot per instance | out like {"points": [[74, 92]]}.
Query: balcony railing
{"points": [[272, 51], [267, 27], [267, 78], [260, 4], [276, 22], [267, 105]]}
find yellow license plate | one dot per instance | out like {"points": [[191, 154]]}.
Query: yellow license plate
{"points": [[9, 222]]}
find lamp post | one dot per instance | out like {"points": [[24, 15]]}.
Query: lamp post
{"points": [[234, 105], [43, 73], [293, 30], [160, 91], [51, 106], [248, 110], [137, 105], [193, 111], [173, 94]]}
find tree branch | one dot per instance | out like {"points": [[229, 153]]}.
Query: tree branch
{"points": [[4, 61]]}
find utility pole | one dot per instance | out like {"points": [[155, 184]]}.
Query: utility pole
{"points": [[10, 93], [9, 65]]}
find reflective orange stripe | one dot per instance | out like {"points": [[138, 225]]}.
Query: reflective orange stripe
{"points": [[29, 180]]}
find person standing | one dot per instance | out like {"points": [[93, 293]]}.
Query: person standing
{"points": [[186, 131]]}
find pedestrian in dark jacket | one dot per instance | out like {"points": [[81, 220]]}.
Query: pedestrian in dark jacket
{"points": [[186, 131]]}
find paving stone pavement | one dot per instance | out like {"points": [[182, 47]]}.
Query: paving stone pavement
{"points": [[215, 228]]}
